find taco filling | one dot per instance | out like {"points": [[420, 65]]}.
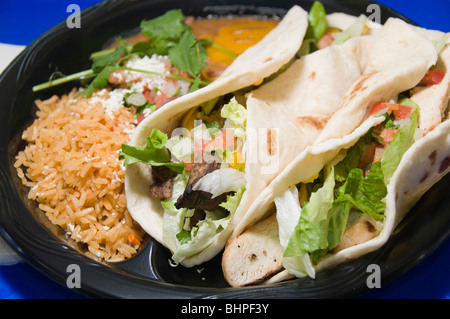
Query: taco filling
{"points": [[344, 205], [198, 174]]}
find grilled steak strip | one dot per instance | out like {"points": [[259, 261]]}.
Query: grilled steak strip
{"points": [[199, 199], [163, 182]]}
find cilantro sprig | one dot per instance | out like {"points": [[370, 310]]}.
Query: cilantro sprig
{"points": [[169, 35]]}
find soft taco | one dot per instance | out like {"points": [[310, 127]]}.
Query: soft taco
{"points": [[376, 156], [168, 156]]}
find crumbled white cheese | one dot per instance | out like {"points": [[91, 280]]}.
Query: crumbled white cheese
{"points": [[115, 101], [112, 101], [155, 63]]}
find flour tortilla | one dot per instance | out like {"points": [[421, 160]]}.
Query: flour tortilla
{"points": [[275, 50], [384, 76], [398, 60], [297, 104], [400, 69]]}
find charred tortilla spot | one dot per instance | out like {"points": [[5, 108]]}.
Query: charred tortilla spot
{"points": [[252, 256], [370, 227], [357, 88], [268, 59], [424, 177], [271, 141], [312, 76], [433, 157], [445, 163], [315, 122]]}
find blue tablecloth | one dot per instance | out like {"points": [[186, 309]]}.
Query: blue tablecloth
{"points": [[22, 21]]}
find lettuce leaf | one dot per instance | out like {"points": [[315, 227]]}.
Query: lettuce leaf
{"points": [[173, 218], [317, 21], [365, 193], [401, 142], [324, 218], [288, 215], [355, 29], [232, 202], [311, 231], [154, 153]]}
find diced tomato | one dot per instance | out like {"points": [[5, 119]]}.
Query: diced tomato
{"points": [[379, 107], [184, 74], [224, 140], [325, 41], [133, 240], [402, 112], [432, 77], [160, 99], [188, 166], [115, 124], [141, 117], [388, 134], [149, 96], [368, 153], [117, 77], [198, 151]]}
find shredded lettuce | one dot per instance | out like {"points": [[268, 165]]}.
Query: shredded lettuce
{"points": [[323, 219], [355, 29], [220, 181], [173, 218], [180, 147], [201, 237], [288, 215], [232, 202], [206, 231], [236, 117], [311, 231], [440, 43]]}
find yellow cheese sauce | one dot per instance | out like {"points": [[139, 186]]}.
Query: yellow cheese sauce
{"points": [[235, 34]]}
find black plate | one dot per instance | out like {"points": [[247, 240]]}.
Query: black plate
{"points": [[148, 274]]}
